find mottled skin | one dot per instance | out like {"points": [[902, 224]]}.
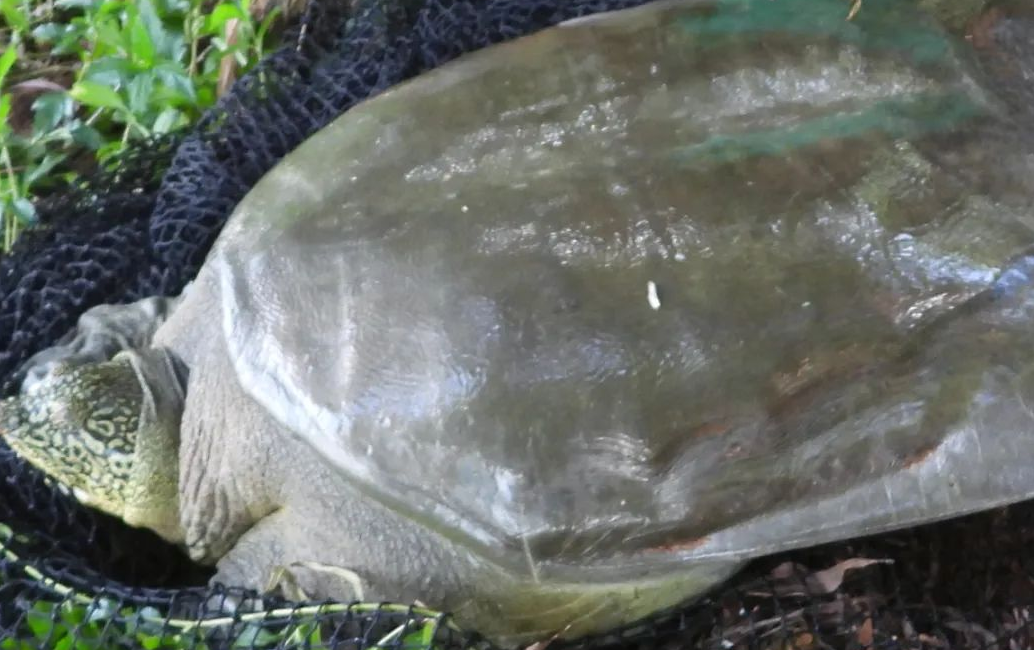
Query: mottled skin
{"points": [[119, 437], [430, 368]]}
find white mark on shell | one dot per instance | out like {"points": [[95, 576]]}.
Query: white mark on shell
{"points": [[651, 295]]}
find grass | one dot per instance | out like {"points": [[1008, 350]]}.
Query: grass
{"points": [[70, 620], [81, 79]]}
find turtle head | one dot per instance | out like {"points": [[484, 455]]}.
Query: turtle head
{"points": [[109, 432]]}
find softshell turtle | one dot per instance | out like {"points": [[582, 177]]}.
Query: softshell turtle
{"points": [[562, 333]]}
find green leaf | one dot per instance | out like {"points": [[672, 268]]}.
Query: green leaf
{"points": [[49, 110], [6, 61], [174, 7], [85, 644], [108, 8], [14, 15], [304, 635], [39, 618], [5, 109], [49, 162], [109, 149], [168, 120], [141, 46], [149, 642], [87, 136], [65, 38], [49, 32], [222, 13], [76, 4], [422, 638], [139, 90], [179, 88], [26, 213], [156, 31], [87, 637], [97, 95], [71, 614], [175, 47], [255, 636], [109, 38], [205, 97], [110, 71], [16, 644]]}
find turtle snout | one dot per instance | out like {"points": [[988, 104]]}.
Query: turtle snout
{"points": [[12, 417]]}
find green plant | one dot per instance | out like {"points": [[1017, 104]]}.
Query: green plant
{"points": [[71, 620], [100, 625], [81, 79]]}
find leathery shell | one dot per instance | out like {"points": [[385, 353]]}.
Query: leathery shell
{"points": [[699, 279]]}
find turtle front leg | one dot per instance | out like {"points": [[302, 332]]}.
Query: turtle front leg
{"points": [[266, 560], [99, 335]]}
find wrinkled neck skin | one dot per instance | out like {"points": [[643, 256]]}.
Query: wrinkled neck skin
{"points": [[152, 491]]}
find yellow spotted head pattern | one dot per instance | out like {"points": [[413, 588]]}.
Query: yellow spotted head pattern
{"points": [[79, 426]]}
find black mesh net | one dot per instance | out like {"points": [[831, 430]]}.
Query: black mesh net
{"points": [[71, 578]]}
